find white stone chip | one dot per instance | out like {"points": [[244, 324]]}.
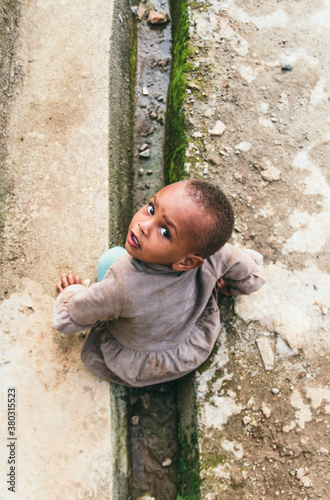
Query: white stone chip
{"points": [[244, 146], [167, 462], [246, 420], [266, 353], [271, 174], [289, 427], [218, 128], [266, 410]]}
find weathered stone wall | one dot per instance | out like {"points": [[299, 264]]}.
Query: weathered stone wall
{"points": [[9, 69], [121, 112]]}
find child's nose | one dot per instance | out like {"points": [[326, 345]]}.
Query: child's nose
{"points": [[144, 226]]}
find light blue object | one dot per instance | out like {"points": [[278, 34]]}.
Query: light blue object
{"points": [[107, 259]]}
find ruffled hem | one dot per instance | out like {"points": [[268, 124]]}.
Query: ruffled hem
{"points": [[110, 360]]}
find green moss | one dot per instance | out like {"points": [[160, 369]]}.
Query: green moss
{"points": [[192, 51], [207, 363], [198, 4], [189, 67], [188, 477], [175, 140], [211, 460]]}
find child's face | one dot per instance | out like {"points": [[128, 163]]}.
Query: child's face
{"points": [[163, 231]]}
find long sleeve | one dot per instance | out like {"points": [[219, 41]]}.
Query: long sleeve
{"points": [[78, 308], [242, 269]]}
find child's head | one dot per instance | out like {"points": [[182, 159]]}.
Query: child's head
{"points": [[182, 224]]}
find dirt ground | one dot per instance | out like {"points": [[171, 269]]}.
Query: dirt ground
{"points": [[262, 69]]}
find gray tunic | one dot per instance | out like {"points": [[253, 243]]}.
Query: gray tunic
{"points": [[151, 324]]}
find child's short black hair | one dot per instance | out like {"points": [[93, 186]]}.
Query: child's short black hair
{"points": [[212, 236]]}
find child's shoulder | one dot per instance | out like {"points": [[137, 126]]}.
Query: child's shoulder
{"points": [[230, 256]]}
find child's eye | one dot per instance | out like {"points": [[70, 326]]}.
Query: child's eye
{"points": [[151, 209], [165, 232]]}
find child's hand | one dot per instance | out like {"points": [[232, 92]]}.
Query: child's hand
{"points": [[224, 288], [67, 280]]}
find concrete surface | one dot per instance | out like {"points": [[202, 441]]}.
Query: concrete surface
{"points": [[57, 219], [262, 69]]}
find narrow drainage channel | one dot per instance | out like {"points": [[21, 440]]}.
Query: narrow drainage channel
{"points": [[146, 422], [153, 410]]}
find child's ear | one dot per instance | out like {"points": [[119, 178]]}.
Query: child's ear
{"points": [[188, 263]]}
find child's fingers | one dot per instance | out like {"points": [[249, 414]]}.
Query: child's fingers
{"points": [[67, 280], [64, 281], [70, 278]]}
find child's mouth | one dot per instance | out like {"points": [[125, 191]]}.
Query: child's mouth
{"points": [[132, 240]]}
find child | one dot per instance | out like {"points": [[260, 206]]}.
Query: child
{"points": [[155, 317]]}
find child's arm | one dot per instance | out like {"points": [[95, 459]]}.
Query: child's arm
{"points": [[239, 270], [78, 308]]}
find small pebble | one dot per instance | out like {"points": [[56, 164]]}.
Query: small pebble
{"points": [[215, 159], [266, 410], [246, 420], [140, 172], [167, 462], [218, 128], [143, 147], [149, 172], [271, 174], [244, 146], [266, 352], [287, 67], [135, 420], [4, 361], [145, 91], [155, 17], [153, 115], [275, 390], [250, 403], [145, 153]]}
